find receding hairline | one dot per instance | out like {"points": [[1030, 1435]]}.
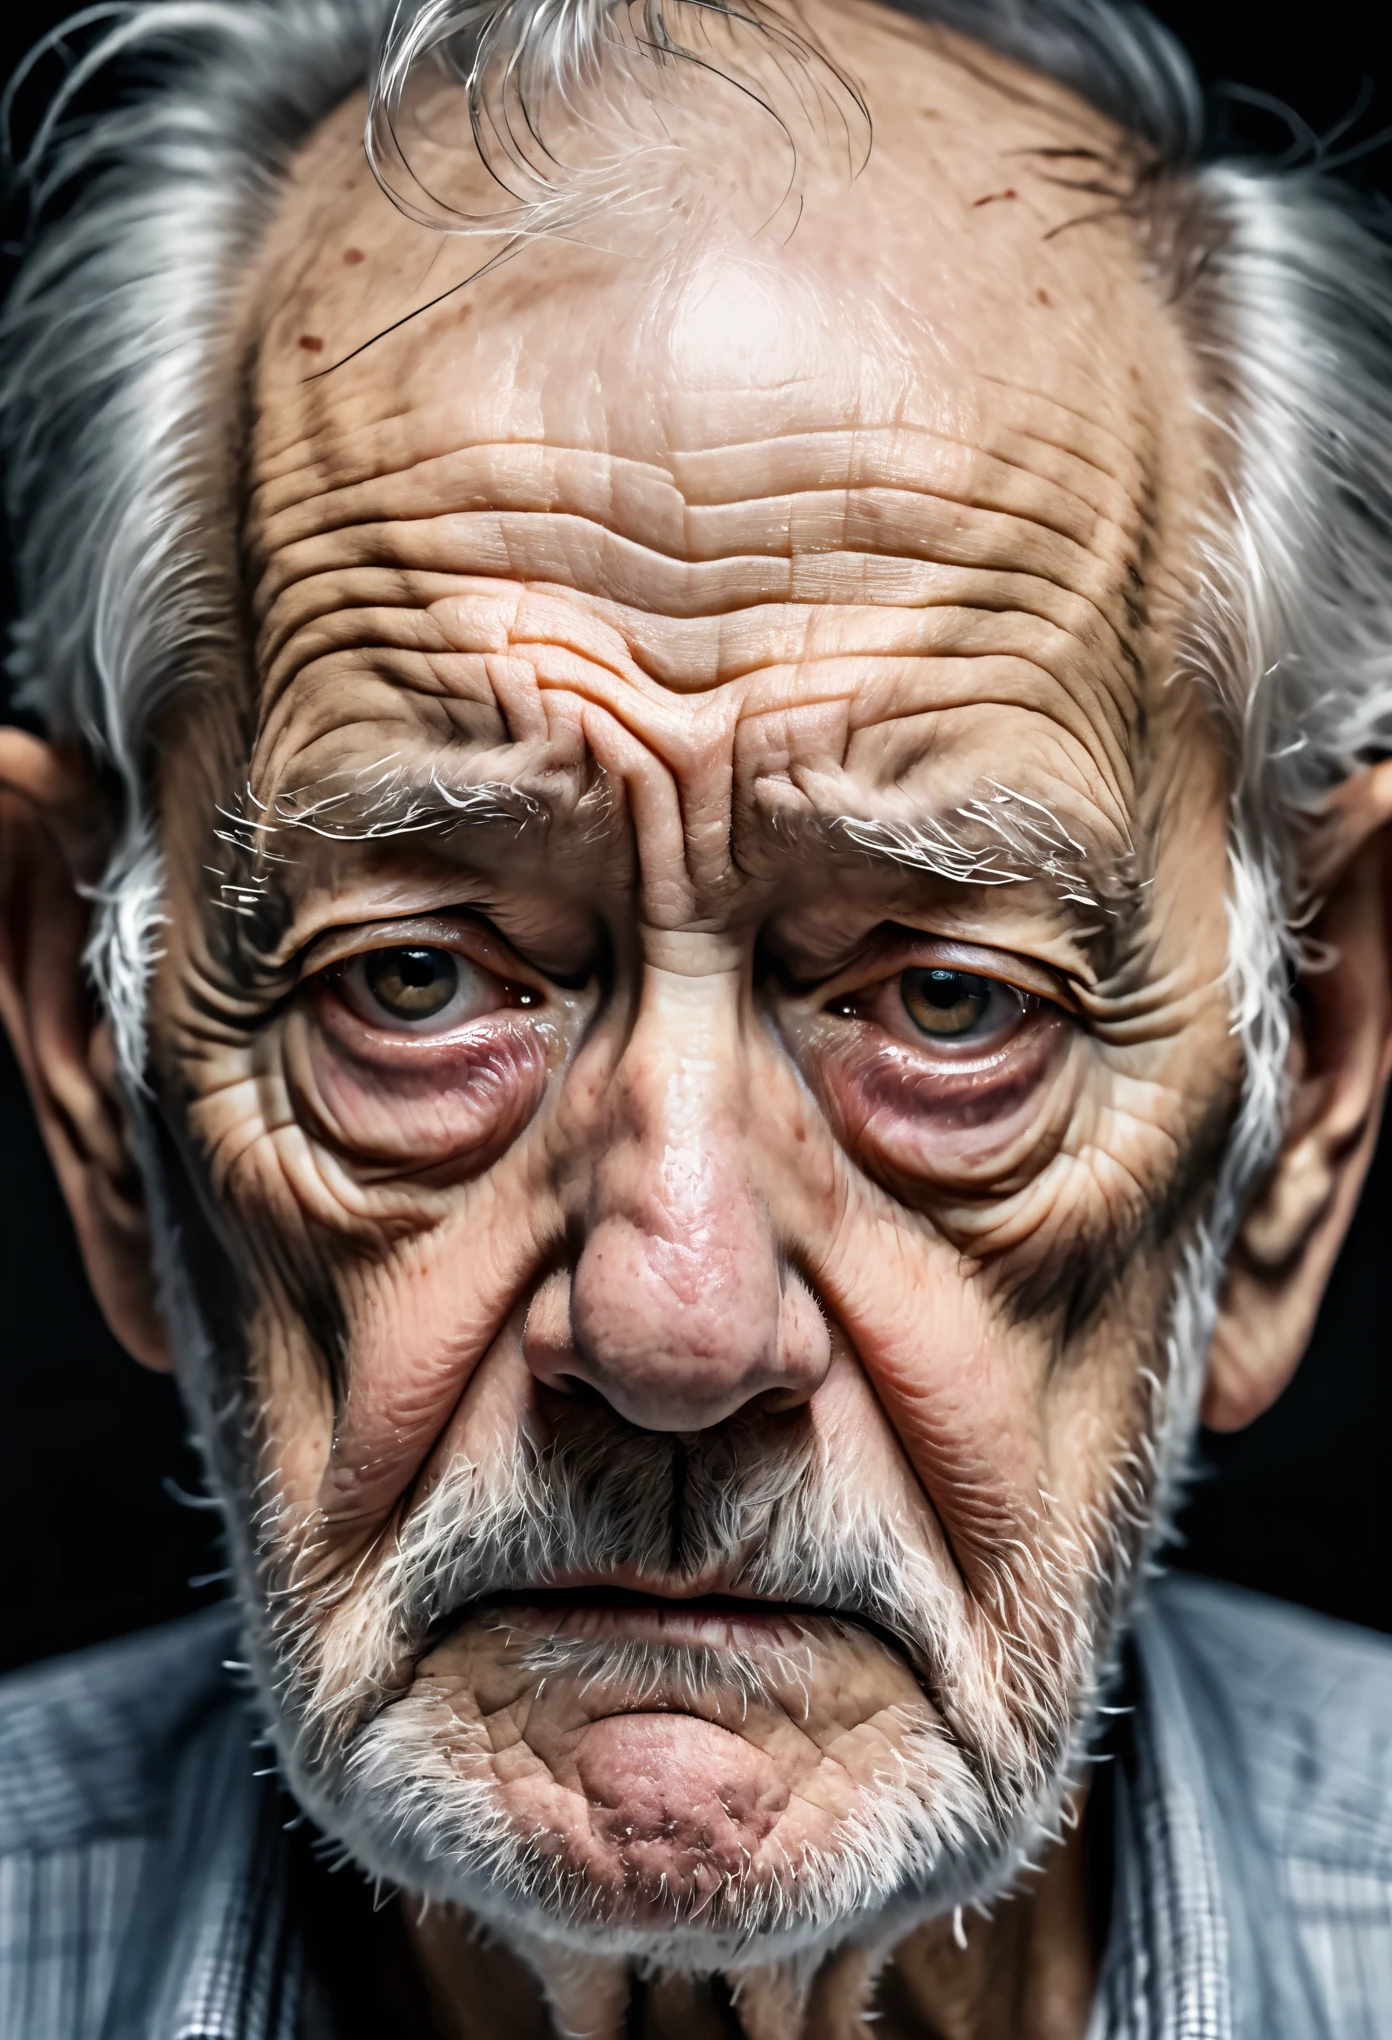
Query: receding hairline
{"points": [[1062, 141], [330, 181]]}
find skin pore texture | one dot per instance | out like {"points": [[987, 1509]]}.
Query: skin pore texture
{"points": [[691, 1042], [698, 646]]}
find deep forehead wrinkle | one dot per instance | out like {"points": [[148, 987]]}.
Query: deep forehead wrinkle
{"points": [[541, 506], [318, 485]]}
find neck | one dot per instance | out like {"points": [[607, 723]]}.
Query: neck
{"points": [[1026, 1972]]}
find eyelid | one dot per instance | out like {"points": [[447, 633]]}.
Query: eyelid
{"points": [[468, 938], [907, 951]]}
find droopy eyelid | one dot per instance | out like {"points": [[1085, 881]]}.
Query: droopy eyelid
{"points": [[477, 944], [907, 949]]}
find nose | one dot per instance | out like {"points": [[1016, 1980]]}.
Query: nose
{"points": [[682, 1307]]}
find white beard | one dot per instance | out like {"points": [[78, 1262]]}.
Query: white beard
{"points": [[980, 1784]]}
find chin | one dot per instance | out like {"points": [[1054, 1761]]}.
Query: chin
{"points": [[409, 1808], [661, 1805], [802, 1734]]}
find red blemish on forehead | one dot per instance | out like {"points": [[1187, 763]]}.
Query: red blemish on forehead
{"points": [[311, 343], [352, 256]]}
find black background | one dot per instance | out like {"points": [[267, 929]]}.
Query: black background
{"points": [[92, 1537]]}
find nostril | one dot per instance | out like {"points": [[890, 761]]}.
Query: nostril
{"points": [[546, 1342], [804, 1344], [573, 1386], [777, 1402]]}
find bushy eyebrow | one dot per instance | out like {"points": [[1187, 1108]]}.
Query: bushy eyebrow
{"points": [[376, 804], [1001, 837], [254, 901], [997, 837]]}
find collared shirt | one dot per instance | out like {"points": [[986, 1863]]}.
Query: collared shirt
{"points": [[143, 1876]]}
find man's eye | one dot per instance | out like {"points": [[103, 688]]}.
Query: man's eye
{"points": [[411, 984], [417, 988], [952, 1005]]}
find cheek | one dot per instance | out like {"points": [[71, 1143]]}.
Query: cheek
{"points": [[462, 1100], [977, 1125]]}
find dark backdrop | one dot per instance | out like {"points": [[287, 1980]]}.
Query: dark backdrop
{"points": [[94, 1537]]}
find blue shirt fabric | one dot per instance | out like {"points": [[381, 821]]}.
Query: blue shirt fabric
{"points": [[143, 1887]]}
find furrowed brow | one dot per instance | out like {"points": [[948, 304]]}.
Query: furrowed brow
{"points": [[378, 804], [1002, 837]]}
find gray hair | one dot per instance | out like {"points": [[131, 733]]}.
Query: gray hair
{"points": [[118, 425]]}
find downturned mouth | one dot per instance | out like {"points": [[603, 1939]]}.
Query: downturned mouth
{"points": [[721, 1622]]}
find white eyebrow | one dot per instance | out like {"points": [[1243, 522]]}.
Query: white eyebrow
{"points": [[998, 837], [387, 800], [370, 805]]}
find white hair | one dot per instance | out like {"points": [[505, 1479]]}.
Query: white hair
{"points": [[119, 417], [119, 420], [981, 1777]]}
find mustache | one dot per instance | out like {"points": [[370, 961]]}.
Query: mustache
{"points": [[748, 1506], [751, 1510]]}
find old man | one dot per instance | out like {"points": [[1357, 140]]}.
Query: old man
{"points": [[695, 906]]}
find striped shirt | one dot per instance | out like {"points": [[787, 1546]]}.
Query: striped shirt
{"points": [[144, 1892]]}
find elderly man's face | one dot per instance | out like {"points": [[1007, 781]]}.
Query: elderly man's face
{"points": [[705, 1041]]}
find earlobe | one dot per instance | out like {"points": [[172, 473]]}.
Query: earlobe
{"points": [[51, 831], [1341, 1057]]}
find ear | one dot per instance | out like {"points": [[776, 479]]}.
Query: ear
{"points": [[49, 843], [1341, 1054]]}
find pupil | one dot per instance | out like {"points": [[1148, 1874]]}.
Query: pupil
{"points": [[412, 984], [945, 1003], [418, 967], [947, 988]]}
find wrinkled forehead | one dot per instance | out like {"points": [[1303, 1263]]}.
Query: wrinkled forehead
{"points": [[953, 392], [981, 268]]}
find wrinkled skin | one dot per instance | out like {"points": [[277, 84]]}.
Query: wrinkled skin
{"points": [[698, 552], [703, 550]]}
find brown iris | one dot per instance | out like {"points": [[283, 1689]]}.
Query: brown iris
{"points": [[412, 984], [948, 1004]]}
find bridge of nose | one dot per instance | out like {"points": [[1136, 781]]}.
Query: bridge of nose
{"points": [[682, 1305]]}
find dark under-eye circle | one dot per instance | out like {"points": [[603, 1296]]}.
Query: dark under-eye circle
{"points": [[411, 984], [951, 1005]]}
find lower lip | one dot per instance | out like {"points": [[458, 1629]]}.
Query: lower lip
{"points": [[637, 1618]]}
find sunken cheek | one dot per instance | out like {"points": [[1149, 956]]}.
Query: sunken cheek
{"points": [[918, 1119], [416, 1103]]}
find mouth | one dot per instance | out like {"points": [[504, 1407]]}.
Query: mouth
{"points": [[600, 1613]]}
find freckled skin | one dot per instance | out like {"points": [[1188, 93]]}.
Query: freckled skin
{"points": [[693, 549]]}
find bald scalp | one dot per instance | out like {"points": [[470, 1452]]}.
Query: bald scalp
{"points": [[996, 227]]}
